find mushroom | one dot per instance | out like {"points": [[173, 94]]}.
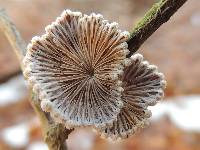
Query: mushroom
{"points": [[75, 67], [143, 86]]}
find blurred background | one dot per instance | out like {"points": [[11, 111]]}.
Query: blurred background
{"points": [[175, 48]]}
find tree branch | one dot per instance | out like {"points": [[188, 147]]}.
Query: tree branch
{"points": [[12, 34], [153, 19], [54, 134]]}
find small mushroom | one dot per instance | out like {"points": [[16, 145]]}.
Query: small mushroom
{"points": [[143, 86], [75, 67]]}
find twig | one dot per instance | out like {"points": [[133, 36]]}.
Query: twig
{"points": [[12, 34], [54, 134], [153, 19], [5, 78]]}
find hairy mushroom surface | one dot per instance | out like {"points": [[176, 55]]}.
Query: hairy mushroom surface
{"points": [[143, 86], [75, 67]]}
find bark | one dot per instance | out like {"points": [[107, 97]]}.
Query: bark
{"points": [[153, 19]]}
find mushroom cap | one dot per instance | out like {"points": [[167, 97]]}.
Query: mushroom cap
{"points": [[75, 67], [143, 86]]}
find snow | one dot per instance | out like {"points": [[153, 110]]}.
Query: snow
{"points": [[195, 19], [183, 111], [13, 90], [17, 136], [37, 146], [84, 137]]}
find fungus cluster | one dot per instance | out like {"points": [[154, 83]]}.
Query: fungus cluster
{"points": [[80, 71]]}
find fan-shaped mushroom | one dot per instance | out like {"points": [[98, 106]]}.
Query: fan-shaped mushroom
{"points": [[143, 86], [75, 68]]}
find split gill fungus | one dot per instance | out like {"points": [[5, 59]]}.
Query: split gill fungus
{"points": [[80, 71]]}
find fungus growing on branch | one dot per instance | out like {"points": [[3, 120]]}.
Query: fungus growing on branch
{"points": [[75, 67], [143, 86], [80, 71]]}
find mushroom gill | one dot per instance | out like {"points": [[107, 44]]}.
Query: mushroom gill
{"points": [[143, 86], [75, 67]]}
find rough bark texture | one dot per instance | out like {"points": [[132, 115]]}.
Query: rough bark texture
{"points": [[55, 134], [153, 19]]}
